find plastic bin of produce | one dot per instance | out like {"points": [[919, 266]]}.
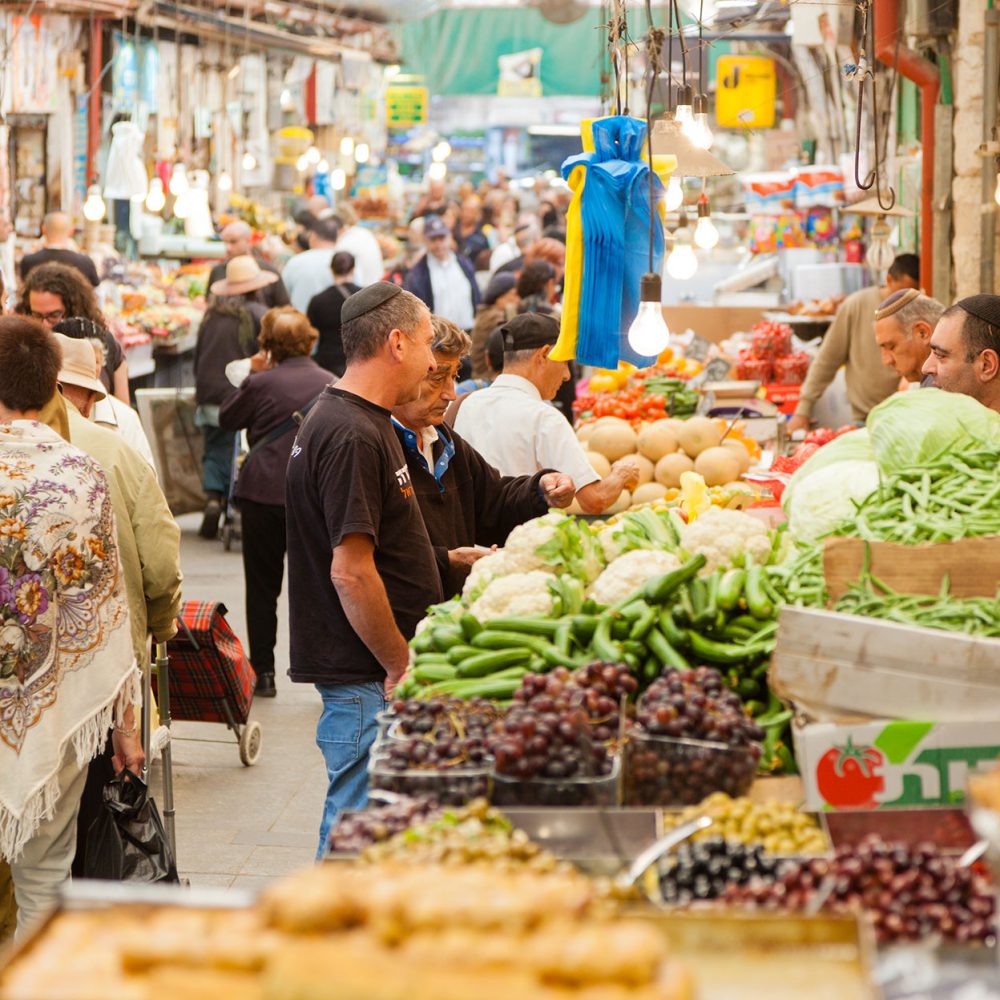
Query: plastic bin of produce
{"points": [[663, 771], [598, 791], [453, 786]]}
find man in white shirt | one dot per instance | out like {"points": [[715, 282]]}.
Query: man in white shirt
{"points": [[513, 427], [309, 273], [526, 234], [362, 245], [442, 280]]}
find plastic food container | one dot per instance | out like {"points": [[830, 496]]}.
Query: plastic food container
{"points": [[661, 771], [592, 792], [452, 787]]}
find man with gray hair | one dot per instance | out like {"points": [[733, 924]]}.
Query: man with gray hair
{"points": [[361, 569], [238, 240], [904, 323]]}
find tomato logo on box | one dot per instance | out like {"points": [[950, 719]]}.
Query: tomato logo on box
{"points": [[850, 777]]}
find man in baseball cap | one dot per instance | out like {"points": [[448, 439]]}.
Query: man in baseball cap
{"points": [[444, 281], [513, 425]]}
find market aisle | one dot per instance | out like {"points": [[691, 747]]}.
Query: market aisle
{"points": [[240, 826]]}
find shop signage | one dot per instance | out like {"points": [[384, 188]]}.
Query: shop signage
{"points": [[405, 105], [746, 92], [885, 765]]}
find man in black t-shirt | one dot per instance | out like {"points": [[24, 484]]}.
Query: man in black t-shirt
{"points": [[57, 230], [361, 569]]}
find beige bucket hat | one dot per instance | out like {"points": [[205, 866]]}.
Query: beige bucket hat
{"points": [[243, 275]]}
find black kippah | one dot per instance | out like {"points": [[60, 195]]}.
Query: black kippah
{"points": [[984, 307], [368, 299]]}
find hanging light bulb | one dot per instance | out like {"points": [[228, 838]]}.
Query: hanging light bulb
{"points": [[361, 152], [313, 155], [441, 151], [674, 196], [155, 197], [302, 165], [648, 335], [94, 207], [178, 180], [880, 254], [224, 182], [347, 146], [684, 113], [437, 171], [249, 161], [706, 236], [338, 179], [996, 194], [700, 134], [682, 262], [182, 206], [323, 167], [286, 100]]}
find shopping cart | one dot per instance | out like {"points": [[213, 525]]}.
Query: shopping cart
{"points": [[162, 670], [211, 678]]}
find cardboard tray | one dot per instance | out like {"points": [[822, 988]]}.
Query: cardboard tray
{"points": [[838, 667]]}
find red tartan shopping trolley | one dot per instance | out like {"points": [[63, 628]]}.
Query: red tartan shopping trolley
{"points": [[210, 678]]}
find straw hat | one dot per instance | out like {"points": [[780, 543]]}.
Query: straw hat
{"points": [[243, 274], [79, 365]]}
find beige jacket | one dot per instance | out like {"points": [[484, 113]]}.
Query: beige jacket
{"points": [[148, 535]]}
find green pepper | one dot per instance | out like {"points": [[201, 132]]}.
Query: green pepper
{"points": [[664, 651], [602, 645], [644, 623], [658, 590]]}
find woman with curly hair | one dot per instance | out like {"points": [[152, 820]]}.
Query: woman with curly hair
{"points": [[53, 293], [272, 401]]}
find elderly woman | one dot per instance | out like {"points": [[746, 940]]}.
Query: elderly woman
{"points": [[271, 403]]}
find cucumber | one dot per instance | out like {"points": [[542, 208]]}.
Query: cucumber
{"points": [[456, 654], [470, 625], [545, 627], [431, 673], [443, 637], [489, 663]]}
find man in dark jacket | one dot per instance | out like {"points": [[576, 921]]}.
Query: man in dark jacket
{"points": [[443, 280], [464, 500]]}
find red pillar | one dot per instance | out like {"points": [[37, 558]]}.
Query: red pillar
{"points": [[94, 108]]}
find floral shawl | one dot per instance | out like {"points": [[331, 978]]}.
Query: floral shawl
{"points": [[67, 669]]}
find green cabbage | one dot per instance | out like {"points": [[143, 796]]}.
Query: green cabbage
{"points": [[853, 447], [914, 428], [828, 498]]}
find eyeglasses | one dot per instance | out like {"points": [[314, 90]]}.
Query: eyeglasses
{"points": [[50, 318]]}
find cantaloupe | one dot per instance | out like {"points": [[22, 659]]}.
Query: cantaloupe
{"points": [[648, 493], [739, 449], [623, 502], [613, 441], [670, 467], [698, 434], [657, 440], [599, 463], [717, 466], [647, 469], [584, 433]]}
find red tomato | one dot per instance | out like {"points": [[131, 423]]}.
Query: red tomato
{"points": [[850, 777]]}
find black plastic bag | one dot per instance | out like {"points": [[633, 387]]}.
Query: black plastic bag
{"points": [[127, 841]]}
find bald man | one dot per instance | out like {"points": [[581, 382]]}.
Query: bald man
{"points": [[58, 246], [238, 240]]}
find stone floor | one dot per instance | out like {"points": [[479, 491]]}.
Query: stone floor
{"points": [[242, 826]]}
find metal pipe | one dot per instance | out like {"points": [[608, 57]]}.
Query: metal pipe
{"points": [[925, 75], [94, 105], [988, 208]]}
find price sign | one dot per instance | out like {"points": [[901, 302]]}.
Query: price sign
{"points": [[716, 370], [698, 349], [405, 106]]}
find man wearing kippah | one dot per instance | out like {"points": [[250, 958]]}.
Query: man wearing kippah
{"points": [[965, 350], [904, 323], [850, 343], [361, 569]]}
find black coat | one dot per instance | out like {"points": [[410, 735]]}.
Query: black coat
{"points": [[262, 403], [324, 314], [418, 281], [472, 505]]}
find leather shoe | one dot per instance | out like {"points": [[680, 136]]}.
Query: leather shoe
{"points": [[265, 686]]}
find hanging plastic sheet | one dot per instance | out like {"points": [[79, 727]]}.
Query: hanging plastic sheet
{"points": [[607, 241]]}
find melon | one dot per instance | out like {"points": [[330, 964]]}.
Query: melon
{"points": [[649, 493], [699, 434], [739, 449], [613, 441], [717, 466], [623, 502], [656, 440], [670, 468], [599, 463], [647, 469], [584, 433]]}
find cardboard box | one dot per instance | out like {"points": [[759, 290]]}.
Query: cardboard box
{"points": [[890, 764]]}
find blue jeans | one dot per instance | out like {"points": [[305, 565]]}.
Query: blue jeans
{"points": [[345, 734]]}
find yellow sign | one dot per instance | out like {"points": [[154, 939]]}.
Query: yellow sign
{"points": [[405, 106], [746, 92]]}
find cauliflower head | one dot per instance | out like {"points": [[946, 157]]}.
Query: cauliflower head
{"points": [[629, 572], [557, 543], [724, 535], [483, 572], [525, 595]]}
